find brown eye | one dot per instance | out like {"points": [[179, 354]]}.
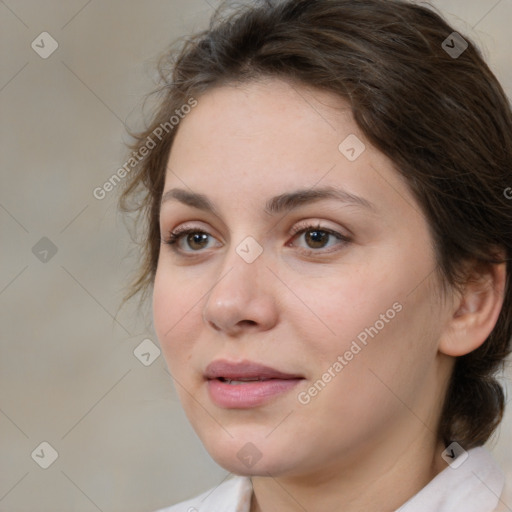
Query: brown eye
{"points": [[197, 240], [188, 240], [317, 239]]}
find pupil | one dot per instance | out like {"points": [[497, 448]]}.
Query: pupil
{"points": [[197, 238], [318, 238]]}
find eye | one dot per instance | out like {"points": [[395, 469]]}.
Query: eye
{"points": [[318, 237], [193, 238]]}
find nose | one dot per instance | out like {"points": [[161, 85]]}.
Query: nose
{"points": [[242, 299]]}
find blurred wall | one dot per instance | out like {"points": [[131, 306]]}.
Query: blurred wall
{"points": [[69, 371]]}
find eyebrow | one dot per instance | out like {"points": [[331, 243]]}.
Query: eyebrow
{"points": [[278, 204]]}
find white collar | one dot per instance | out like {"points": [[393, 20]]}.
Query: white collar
{"points": [[475, 486]]}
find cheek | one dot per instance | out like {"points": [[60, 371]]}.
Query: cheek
{"points": [[373, 366], [344, 303], [379, 314], [175, 316]]}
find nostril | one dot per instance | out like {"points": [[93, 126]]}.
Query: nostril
{"points": [[247, 322]]}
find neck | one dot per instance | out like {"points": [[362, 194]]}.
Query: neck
{"points": [[379, 480]]}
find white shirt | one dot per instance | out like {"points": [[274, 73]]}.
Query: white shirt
{"points": [[475, 486]]}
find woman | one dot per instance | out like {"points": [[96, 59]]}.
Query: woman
{"points": [[328, 247]]}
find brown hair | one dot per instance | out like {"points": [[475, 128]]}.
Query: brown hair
{"points": [[442, 118]]}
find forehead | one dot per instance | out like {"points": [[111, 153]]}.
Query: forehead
{"points": [[268, 137], [268, 111]]}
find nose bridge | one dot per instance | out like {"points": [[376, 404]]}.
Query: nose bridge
{"points": [[240, 293], [240, 271]]}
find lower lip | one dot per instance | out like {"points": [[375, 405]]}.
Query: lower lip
{"points": [[250, 394]]}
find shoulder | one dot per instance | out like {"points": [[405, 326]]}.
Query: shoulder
{"points": [[231, 495]]}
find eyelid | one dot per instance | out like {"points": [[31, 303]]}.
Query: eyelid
{"points": [[193, 225], [318, 225], [306, 226], [176, 235]]}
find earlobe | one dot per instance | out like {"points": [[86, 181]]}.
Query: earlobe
{"points": [[475, 312]]}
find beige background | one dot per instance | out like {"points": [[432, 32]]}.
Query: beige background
{"points": [[68, 374]]}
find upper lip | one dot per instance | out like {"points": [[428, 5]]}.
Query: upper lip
{"points": [[244, 370]]}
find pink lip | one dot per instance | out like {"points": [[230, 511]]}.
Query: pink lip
{"points": [[250, 394]]}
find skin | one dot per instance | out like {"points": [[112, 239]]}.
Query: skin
{"points": [[368, 440]]}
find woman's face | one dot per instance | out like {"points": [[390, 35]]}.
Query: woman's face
{"points": [[301, 316]]}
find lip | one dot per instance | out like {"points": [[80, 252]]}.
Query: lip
{"points": [[271, 383]]}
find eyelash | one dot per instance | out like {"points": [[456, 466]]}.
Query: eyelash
{"points": [[175, 236]]}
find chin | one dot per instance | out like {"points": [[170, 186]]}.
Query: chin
{"points": [[257, 457]]}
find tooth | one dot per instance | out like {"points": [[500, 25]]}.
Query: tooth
{"points": [[237, 382]]}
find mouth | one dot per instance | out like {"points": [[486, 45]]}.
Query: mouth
{"points": [[237, 382], [246, 384]]}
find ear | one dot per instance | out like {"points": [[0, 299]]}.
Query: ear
{"points": [[476, 310]]}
